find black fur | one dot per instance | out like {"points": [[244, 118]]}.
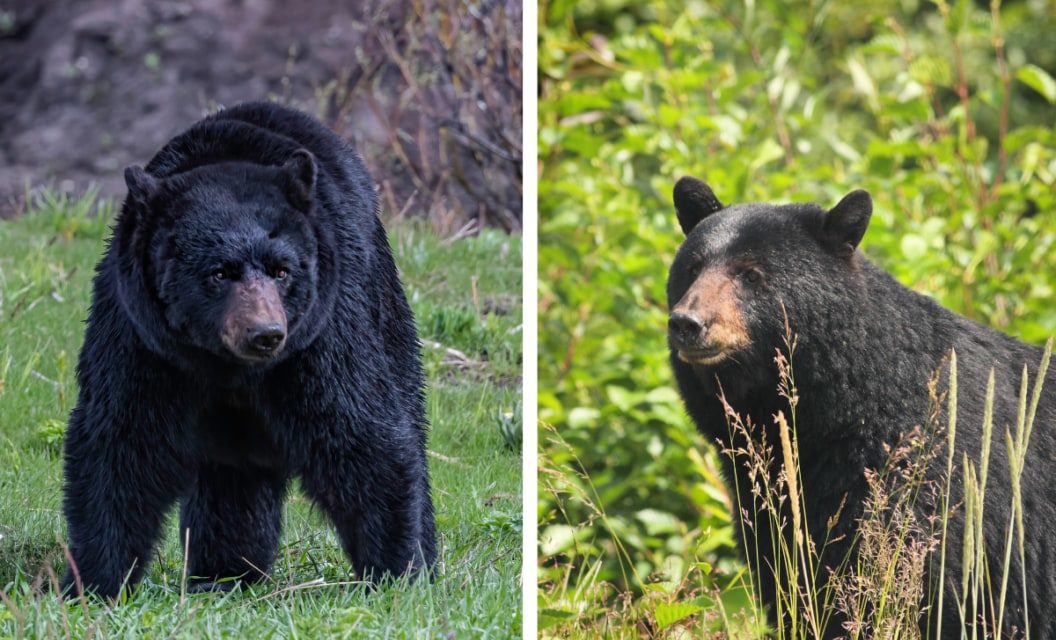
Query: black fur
{"points": [[166, 413], [867, 347]]}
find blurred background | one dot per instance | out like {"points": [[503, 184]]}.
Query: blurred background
{"points": [[945, 112], [429, 91]]}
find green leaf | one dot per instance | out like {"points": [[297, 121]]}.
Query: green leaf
{"points": [[658, 522], [668, 614], [1039, 80], [913, 246], [863, 83], [582, 416], [623, 398], [556, 538], [663, 394], [842, 149], [767, 153], [931, 70], [549, 617]]}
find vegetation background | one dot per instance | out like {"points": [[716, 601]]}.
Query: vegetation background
{"points": [[944, 112]]}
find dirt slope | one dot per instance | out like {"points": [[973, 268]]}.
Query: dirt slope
{"points": [[90, 86]]}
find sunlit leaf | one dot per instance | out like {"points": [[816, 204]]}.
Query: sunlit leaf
{"points": [[1039, 80]]}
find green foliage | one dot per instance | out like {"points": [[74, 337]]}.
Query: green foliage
{"points": [[46, 266], [511, 426], [942, 112], [50, 434]]}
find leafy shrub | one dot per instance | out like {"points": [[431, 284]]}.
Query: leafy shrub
{"points": [[944, 113]]}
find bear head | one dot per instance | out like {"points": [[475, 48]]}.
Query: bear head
{"points": [[226, 253], [743, 271]]}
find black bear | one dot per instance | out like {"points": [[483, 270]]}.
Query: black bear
{"points": [[247, 326], [867, 348]]}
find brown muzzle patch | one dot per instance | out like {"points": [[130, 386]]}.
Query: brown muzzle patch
{"points": [[255, 321], [707, 324]]}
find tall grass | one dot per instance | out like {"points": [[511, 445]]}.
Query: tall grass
{"points": [[880, 589]]}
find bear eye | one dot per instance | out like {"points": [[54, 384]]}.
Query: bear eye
{"points": [[219, 275], [280, 274], [752, 276]]}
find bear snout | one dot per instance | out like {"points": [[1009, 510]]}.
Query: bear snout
{"points": [[694, 340], [706, 325], [686, 329], [266, 338], [254, 325]]}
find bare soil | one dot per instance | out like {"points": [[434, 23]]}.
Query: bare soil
{"points": [[88, 87]]}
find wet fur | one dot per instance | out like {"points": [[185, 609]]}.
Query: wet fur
{"points": [[164, 417], [867, 348]]}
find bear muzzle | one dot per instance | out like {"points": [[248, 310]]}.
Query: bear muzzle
{"points": [[254, 327], [265, 339], [690, 339], [707, 326]]}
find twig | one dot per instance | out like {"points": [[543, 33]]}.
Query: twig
{"points": [[311, 584], [186, 559], [447, 459]]}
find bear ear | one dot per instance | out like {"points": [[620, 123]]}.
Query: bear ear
{"points": [[299, 171], [845, 224], [694, 201], [141, 186]]}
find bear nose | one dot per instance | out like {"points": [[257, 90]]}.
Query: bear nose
{"points": [[266, 337], [684, 326]]}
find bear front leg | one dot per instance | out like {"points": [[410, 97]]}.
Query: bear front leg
{"points": [[232, 519], [378, 499], [118, 488]]}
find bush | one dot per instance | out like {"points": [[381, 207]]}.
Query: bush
{"points": [[942, 112]]}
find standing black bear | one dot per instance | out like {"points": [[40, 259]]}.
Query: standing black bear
{"points": [[247, 325], [867, 348]]}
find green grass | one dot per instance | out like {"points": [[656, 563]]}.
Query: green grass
{"points": [[466, 296]]}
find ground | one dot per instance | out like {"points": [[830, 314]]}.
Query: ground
{"points": [[89, 87], [469, 317]]}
